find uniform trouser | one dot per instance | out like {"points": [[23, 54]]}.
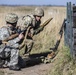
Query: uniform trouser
{"points": [[28, 46], [14, 54]]}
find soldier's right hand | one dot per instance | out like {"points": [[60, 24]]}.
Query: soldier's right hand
{"points": [[21, 36]]}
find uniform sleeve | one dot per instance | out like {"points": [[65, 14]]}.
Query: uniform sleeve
{"points": [[14, 42], [36, 31], [4, 34], [38, 28]]}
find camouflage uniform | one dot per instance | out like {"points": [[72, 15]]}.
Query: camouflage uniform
{"points": [[11, 48], [31, 20]]}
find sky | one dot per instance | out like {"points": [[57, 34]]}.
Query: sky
{"points": [[36, 2]]}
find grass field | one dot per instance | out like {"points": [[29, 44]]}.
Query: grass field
{"points": [[48, 37]]}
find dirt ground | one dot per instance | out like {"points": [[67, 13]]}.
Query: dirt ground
{"points": [[40, 69], [34, 66]]}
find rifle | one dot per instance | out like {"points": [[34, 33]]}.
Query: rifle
{"points": [[12, 36], [62, 27], [60, 36], [42, 26], [54, 49]]}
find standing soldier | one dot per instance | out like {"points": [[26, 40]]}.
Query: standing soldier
{"points": [[34, 21], [11, 47]]}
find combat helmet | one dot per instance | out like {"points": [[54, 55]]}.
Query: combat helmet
{"points": [[11, 18], [39, 12]]}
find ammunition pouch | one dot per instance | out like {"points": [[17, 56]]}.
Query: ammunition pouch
{"points": [[4, 54]]}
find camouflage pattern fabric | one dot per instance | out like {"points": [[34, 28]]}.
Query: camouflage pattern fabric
{"points": [[11, 47], [39, 11], [11, 18], [34, 25]]}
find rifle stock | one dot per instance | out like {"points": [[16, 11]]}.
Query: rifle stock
{"points": [[11, 37]]}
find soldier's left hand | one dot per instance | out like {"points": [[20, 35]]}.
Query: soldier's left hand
{"points": [[21, 36]]}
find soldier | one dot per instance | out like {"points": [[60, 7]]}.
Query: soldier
{"points": [[34, 21], [11, 47]]}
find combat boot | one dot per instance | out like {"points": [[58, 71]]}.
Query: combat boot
{"points": [[14, 67]]}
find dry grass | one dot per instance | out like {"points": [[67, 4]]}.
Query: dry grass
{"points": [[61, 63], [48, 37]]}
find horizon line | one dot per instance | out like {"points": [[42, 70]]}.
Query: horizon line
{"points": [[29, 5]]}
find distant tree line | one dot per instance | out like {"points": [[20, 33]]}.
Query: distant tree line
{"points": [[30, 5]]}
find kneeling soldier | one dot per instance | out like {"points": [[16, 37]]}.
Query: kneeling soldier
{"points": [[11, 47]]}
